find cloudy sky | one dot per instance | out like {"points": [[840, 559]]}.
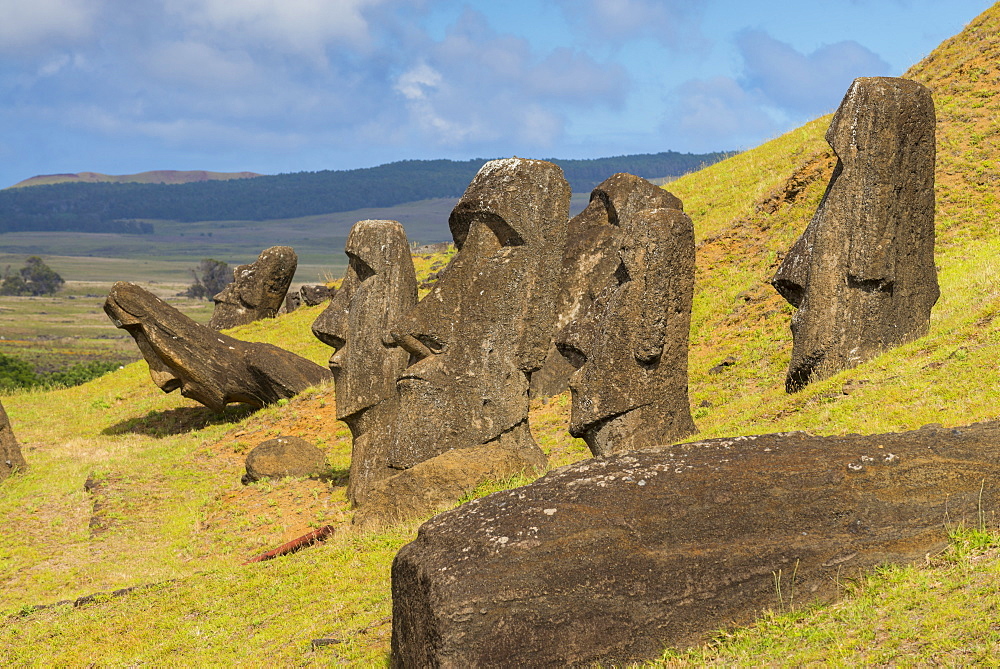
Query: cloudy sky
{"points": [[122, 86]]}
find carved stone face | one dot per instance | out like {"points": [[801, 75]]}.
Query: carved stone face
{"points": [[488, 321], [169, 344], [206, 366], [629, 346], [378, 288], [257, 290]]}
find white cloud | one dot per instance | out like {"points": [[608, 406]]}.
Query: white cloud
{"points": [[26, 25], [295, 26], [479, 87], [201, 65], [809, 84], [673, 23], [717, 109]]}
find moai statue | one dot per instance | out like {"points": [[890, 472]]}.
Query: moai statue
{"points": [[862, 274], [591, 256], [629, 342], [11, 459], [257, 291], [489, 320], [207, 366], [378, 288]]}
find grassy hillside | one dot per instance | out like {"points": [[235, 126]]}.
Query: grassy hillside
{"points": [[173, 517]]}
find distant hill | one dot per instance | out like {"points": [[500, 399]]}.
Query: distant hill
{"points": [[126, 207], [152, 177]]}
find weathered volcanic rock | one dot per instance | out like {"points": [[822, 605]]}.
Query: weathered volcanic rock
{"points": [[257, 290], [11, 459], [612, 559], [316, 294], [591, 257], [862, 274], [379, 286], [207, 366], [437, 484], [284, 456], [628, 333], [489, 320]]}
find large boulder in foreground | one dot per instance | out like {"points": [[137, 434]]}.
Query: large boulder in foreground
{"points": [[862, 275], [11, 459], [611, 560], [258, 289], [207, 366]]}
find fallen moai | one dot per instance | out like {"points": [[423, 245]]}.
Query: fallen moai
{"points": [[11, 459], [208, 366], [485, 326], [627, 326], [379, 286], [862, 275], [257, 291], [610, 560]]}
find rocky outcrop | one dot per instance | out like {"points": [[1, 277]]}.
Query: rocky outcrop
{"points": [[11, 459], [207, 366], [284, 456], [862, 274], [257, 291], [378, 288], [627, 327], [612, 559]]}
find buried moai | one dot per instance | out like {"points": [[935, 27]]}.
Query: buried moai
{"points": [[488, 322], [207, 366], [862, 274], [258, 289], [625, 312], [379, 286], [474, 342], [11, 459]]}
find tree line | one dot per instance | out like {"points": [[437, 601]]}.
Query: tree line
{"points": [[118, 207]]}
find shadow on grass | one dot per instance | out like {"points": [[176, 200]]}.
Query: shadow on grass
{"points": [[179, 421], [336, 476]]}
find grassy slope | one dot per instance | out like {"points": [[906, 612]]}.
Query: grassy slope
{"points": [[176, 507]]}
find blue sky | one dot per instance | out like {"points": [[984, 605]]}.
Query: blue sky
{"points": [[120, 86]]}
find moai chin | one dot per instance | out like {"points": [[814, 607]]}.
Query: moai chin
{"points": [[488, 322], [629, 341], [862, 274], [379, 286], [257, 291]]}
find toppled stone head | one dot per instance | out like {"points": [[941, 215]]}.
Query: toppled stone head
{"points": [[627, 336], [488, 322], [205, 365], [862, 274], [257, 290], [378, 288]]}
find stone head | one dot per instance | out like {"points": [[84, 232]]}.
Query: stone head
{"points": [[257, 290], [488, 321], [379, 286]]}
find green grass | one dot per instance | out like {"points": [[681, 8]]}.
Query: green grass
{"points": [[179, 512]]}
